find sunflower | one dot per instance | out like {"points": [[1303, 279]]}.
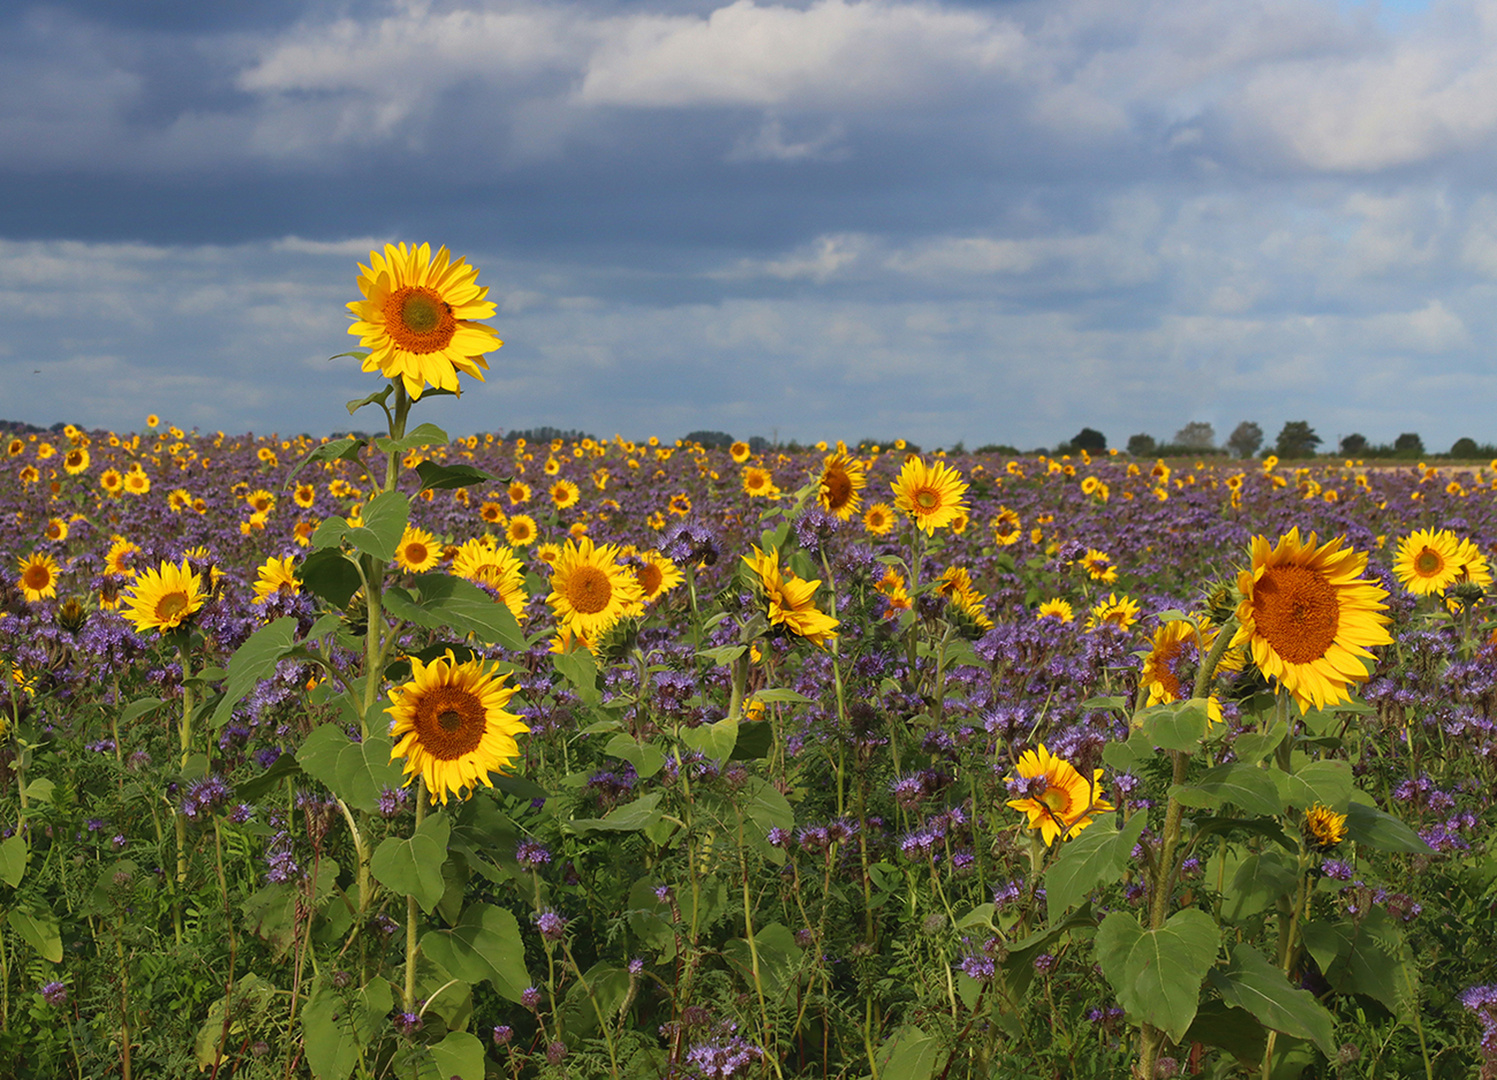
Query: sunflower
{"points": [[791, 601], [450, 725], [739, 452], [590, 591], [657, 574], [1007, 528], [117, 561], [260, 501], [38, 578], [878, 519], [564, 493], [549, 554], [518, 492], [178, 500], [1308, 618], [1119, 611], [152, 421], [891, 587], [1426, 561], [1473, 565], [930, 494], [57, 530], [275, 578], [521, 531], [479, 562], [1055, 609], [164, 599], [111, 481], [75, 460], [304, 496], [1175, 643], [303, 533], [1098, 564], [1323, 828], [1060, 801], [418, 551], [491, 512], [15, 448], [418, 318], [842, 477]]}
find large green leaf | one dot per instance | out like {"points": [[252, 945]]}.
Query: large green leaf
{"points": [[330, 574], [1245, 786], [597, 996], [1250, 982], [1367, 956], [253, 661], [485, 944], [356, 772], [1097, 857], [779, 960], [384, 520], [1157, 973], [39, 928], [1260, 881], [580, 669], [335, 1027], [715, 740], [436, 477], [448, 602], [1369, 825], [1236, 1031], [630, 817], [413, 867], [645, 757], [13, 857], [1179, 725], [419, 436], [459, 1056], [910, 1054], [1252, 748], [346, 449], [1324, 782]]}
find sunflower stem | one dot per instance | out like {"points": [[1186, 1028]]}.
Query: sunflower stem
{"points": [[411, 912]]}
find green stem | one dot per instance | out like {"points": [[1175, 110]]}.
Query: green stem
{"points": [[411, 911]]}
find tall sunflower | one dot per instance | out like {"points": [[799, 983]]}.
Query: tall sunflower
{"points": [[590, 589], [791, 600], [1058, 800], [1427, 561], [164, 599], [930, 494], [38, 578], [450, 725], [418, 551], [1308, 618], [418, 318], [842, 477]]}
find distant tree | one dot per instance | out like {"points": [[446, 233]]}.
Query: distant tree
{"points": [[1196, 435], [710, 438], [1354, 444], [1141, 445], [1089, 439], [1465, 448], [1245, 439], [1409, 444], [1297, 439], [758, 444]]}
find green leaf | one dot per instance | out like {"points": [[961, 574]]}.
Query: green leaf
{"points": [[580, 669], [630, 817], [713, 740], [1097, 857], [603, 990], [346, 449], [256, 786], [1324, 782], [1018, 968], [1260, 880], [646, 758], [1246, 786], [13, 856], [38, 927], [1369, 956], [1250, 982], [485, 944], [385, 517], [356, 772], [449, 602], [1126, 756], [379, 395], [1369, 825], [1252, 748], [783, 694], [138, 708], [335, 1027], [459, 1056], [910, 1054], [413, 867], [754, 741], [418, 436], [40, 789], [253, 997], [723, 655], [1179, 725], [436, 477], [253, 661], [1157, 973], [779, 959], [330, 574], [1236, 1031]]}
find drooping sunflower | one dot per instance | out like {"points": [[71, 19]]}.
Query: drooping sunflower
{"points": [[842, 477], [450, 725], [419, 318], [1058, 800], [1473, 565], [275, 578], [930, 494], [1308, 618], [1119, 611], [418, 550], [878, 519], [166, 598], [1007, 528], [1426, 561], [484, 564], [791, 601], [1055, 609], [1323, 828], [657, 574], [590, 589], [38, 578]]}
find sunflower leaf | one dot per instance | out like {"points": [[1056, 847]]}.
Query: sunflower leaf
{"points": [[441, 477], [356, 772], [1250, 982], [420, 435], [451, 603], [330, 574], [1096, 857], [1247, 786], [1324, 782], [379, 395], [1179, 725], [1157, 973], [413, 867], [484, 944], [345, 449], [1369, 825], [254, 660], [459, 1054]]}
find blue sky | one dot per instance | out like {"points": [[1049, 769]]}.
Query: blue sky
{"points": [[988, 222]]}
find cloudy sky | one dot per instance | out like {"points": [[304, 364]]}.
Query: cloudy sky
{"points": [[989, 222]]}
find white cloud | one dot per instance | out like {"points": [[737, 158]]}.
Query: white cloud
{"points": [[769, 143]]}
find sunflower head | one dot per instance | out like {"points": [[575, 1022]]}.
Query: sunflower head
{"points": [[1058, 800], [166, 598], [590, 589], [418, 550], [38, 579], [791, 601], [932, 495], [1428, 561], [450, 725], [1323, 828], [842, 478]]}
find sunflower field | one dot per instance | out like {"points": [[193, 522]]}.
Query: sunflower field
{"points": [[420, 756]]}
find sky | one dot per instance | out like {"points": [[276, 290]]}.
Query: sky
{"points": [[985, 222]]}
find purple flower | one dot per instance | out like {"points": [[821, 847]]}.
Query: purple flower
{"points": [[530, 997], [392, 801], [503, 1034], [551, 925], [55, 993], [531, 856], [725, 1060], [555, 1052], [407, 1023]]}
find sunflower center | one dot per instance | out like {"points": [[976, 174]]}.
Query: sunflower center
{"points": [[36, 577], [1428, 563], [416, 553], [419, 320], [650, 578], [171, 606], [1297, 612], [449, 722], [927, 499], [589, 590], [836, 485], [1057, 800]]}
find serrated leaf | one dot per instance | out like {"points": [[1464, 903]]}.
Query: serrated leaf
{"points": [[1096, 857], [1157, 973], [1371, 826], [253, 661], [1368, 956], [1324, 782], [385, 517], [1250, 982], [1245, 786], [418, 436], [413, 867]]}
